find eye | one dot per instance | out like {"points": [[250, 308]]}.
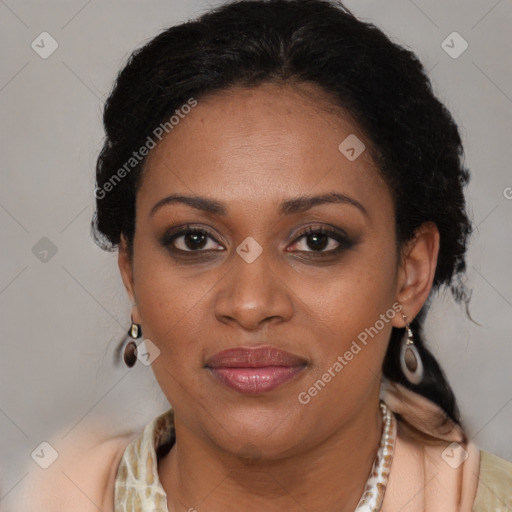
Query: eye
{"points": [[190, 239], [320, 239]]}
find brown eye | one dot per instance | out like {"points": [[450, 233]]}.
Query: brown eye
{"points": [[317, 240], [190, 240]]}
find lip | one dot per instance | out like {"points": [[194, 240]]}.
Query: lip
{"points": [[254, 370]]}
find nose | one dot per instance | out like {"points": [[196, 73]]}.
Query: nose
{"points": [[253, 294]]}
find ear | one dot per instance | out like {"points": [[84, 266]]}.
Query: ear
{"points": [[416, 271], [125, 263]]}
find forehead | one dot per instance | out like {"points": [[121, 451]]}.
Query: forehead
{"points": [[260, 144]]}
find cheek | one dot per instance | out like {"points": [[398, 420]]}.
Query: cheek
{"points": [[354, 314], [359, 290], [170, 300], [172, 318]]}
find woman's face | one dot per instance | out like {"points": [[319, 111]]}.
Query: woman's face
{"points": [[251, 277]]}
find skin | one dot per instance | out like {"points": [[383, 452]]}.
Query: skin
{"points": [[251, 149]]}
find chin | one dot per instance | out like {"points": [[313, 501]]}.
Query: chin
{"points": [[259, 433]]}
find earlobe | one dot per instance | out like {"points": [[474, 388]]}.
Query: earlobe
{"points": [[417, 270]]}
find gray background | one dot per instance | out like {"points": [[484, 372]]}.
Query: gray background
{"points": [[61, 318]]}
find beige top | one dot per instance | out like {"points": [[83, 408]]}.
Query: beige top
{"points": [[92, 470], [138, 488]]}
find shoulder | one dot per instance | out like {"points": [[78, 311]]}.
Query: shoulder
{"points": [[494, 484], [81, 478]]}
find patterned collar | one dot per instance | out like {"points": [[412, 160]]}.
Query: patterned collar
{"points": [[138, 487]]}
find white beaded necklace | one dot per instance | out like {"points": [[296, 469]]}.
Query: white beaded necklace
{"points": [[373, 495]]}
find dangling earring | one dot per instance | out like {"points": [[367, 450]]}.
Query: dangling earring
{"points": [[410, 359], [130, 351]]}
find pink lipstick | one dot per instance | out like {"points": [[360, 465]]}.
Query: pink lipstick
{"points": [[254, 370]]}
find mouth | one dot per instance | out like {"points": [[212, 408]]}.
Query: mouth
{"points": [[255, 370]]}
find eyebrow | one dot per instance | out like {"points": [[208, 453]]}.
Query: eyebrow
{"points": [[288, 207]]}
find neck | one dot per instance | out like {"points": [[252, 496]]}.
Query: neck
{"points": [[329, 477]]}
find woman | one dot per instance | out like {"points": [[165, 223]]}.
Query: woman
{"points": [[286, 196]]}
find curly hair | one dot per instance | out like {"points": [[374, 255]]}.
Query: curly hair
{"points": [[415, 141]]}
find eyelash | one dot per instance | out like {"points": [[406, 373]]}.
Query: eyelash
{"points": [[344, 242]]}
